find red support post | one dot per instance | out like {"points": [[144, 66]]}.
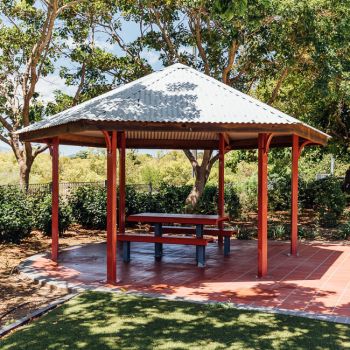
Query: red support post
{"points": [[263, 146], [54, 198], [122, 146], [111, 208], [221, 197], [294, 198]]}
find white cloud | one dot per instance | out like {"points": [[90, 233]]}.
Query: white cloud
{"points": [[47, 86], [152, 57]]}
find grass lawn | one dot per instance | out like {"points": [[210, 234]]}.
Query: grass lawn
{"points": [[118, 321]]}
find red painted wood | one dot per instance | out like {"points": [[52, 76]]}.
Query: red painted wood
{"points": [[166, 240], [294, 199], [194, 219], [122, 145], [55, 198], [192, 231], [221, 199], [112, 209], [262, 204]]}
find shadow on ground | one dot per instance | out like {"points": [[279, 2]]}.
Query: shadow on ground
{"points": [[111, 321]]}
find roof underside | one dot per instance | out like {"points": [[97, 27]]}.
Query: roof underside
{"points": [[177, 107]]}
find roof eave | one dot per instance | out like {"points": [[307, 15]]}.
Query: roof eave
{"points": [[44, 134]]}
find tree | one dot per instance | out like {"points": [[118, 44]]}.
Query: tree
{"points": [[93, 69], [173, 28], [28, 44]]}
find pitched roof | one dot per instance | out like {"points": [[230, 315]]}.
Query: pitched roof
{"points": [[176, 94]]}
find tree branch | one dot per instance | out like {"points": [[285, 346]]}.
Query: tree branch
{"points": [[6, 124], [5, 140], [277, 88], [166, 37], [70, 4], [214, 158], [191, 157], [231, 60], [194, 25], [39, 150], [81, 84]]}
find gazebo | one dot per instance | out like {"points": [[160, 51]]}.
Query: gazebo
{"points": [[175, 108]]}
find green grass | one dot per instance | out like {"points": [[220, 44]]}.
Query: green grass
{"points": [[118, 321]]}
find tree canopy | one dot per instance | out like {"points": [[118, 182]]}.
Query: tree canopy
{"points": [[291, 54]]}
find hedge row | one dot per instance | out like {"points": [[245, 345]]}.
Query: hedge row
{"points": [[88, 203], [20, 213]]}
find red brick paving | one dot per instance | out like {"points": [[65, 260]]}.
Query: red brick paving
{"points": [[318, 280]]}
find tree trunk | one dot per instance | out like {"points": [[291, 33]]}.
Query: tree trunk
{"points": [[201, 172], [25, 158], [25, 166], [197, 189]]}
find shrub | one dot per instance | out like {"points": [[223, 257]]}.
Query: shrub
{"points": [[344, 231], [89, 207], [42, 207], [245, 233], [15, 215], [279, 192], [307, 233], [327, 199], [248, 194], [233, 205], [208, 203], [279, 189], [277, 232], [171, 199], [88, 203]]}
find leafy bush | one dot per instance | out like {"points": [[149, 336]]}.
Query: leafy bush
{"points": [[277, 232], [245, 233], [89, 207], [208, 203], [327, 199], [307, 233], [15, 215], [88, 203], [42, 209], [279, 192], [171, 199], [232, 202], [248, 194], [344, 231]]}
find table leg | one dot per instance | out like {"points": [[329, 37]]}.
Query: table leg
{"points": [[126, 252], [227, 245], [158, 247], [200, 250]]}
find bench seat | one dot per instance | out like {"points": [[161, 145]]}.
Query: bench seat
{"points": [[200, 244], [226, 233], [208, 231]]}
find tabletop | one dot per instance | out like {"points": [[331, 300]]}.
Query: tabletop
{"points": [[194, 219]]}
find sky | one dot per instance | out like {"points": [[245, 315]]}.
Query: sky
{"points": [[47, 86]]}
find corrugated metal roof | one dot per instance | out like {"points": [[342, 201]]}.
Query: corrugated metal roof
{"points": [[176, 94]]}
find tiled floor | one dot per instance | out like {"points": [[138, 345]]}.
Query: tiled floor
{"points": [[318, 280]]}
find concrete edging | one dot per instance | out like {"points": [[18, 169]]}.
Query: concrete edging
{"points": [[36, 313]]}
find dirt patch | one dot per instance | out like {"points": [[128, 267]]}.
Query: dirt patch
{"points": [[20, 296]]}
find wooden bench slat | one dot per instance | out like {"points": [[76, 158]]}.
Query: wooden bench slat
{"points": [[166, 240]]}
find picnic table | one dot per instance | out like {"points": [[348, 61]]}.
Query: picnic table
{"points": [[159, 219]]}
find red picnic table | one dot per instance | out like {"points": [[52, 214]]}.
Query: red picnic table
{"points": [[158, 219]]}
